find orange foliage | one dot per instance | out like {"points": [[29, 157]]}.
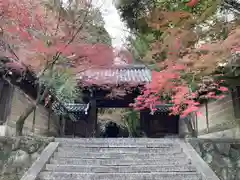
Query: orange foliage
{"points": [[179, 44], [160, 20], [207, 57], [180, 38]]}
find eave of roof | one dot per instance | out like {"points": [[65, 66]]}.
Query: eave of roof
{"points": [[163, 108], [133, 74], [75, 111]]}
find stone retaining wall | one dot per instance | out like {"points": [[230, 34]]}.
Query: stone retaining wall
{"points": [[222, 155], [45, 124], [18, 154]]}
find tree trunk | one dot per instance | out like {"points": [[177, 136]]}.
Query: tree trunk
{"points": [[34, 119], [21, 120], [207, 117]]}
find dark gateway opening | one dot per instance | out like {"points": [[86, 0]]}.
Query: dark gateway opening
{"points": [[111, 130]]}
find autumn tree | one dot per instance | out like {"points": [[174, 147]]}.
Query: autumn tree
{"points": [[50, 41], [174, 30]]}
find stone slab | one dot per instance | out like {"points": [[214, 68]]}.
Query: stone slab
{"points": [[166, 160], [120, 169], [119, 145], [112, 151], [40, 163], [119, 150], [120, 176], [90, 155], [201, 166], [115, 140]]}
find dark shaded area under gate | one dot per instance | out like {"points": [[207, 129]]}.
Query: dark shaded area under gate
{"points": [[160, 124]]}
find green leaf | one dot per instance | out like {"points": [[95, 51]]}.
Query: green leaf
{"points": [[62, 82]]}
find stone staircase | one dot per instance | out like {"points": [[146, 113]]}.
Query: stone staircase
{"points": [[119, 159]]}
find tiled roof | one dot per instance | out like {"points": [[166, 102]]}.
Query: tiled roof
{"points": [[73, 110], [74, 107], [117, 75], [163, 108]]}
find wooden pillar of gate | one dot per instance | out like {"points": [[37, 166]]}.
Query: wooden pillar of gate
{"points": [[144, 123], [92, 119]]}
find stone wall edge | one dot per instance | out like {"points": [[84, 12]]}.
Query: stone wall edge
{"points": [[214, 140], [201, 166], [40, 163]]}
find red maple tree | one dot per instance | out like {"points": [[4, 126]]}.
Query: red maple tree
{"points": [[169, 86], [34, 38]]}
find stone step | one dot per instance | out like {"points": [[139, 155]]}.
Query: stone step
{"points": [[165, 160], [91, 155], [120, 150], [116, 140], [132, 178], [120, 169], [119, 145], [120, 176]]}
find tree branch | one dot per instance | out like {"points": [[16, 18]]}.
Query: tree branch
{"points": [[56, 57]]}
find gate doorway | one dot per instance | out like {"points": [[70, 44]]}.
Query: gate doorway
{"points": [[160, 124], [111, 130], [111, 123]]}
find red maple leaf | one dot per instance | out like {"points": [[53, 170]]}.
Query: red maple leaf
{"points": [[192, 3]]}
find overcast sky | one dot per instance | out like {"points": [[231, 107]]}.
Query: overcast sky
{"points": [[113, 24]]}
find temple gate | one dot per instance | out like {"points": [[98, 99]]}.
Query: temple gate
{"points": [[80, 119]]}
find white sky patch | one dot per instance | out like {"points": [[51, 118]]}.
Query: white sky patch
{"points": [[113, 24]]}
